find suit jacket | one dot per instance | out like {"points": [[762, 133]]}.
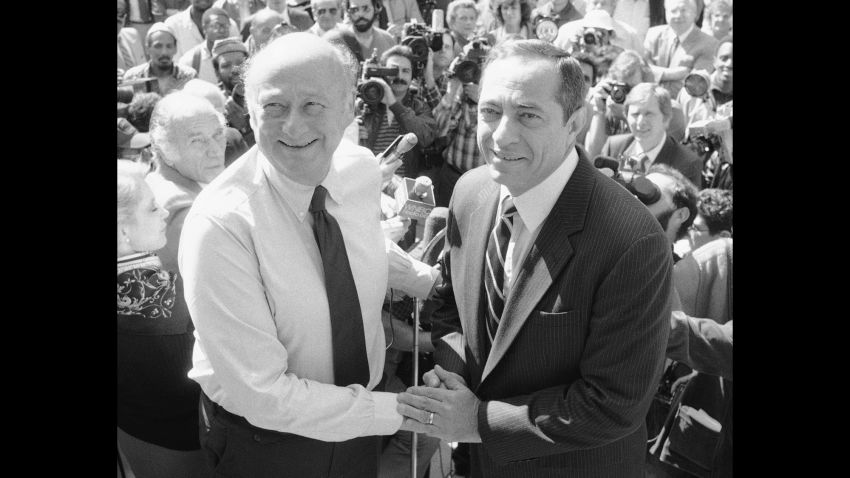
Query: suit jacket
{"points": [[129, 37], [697, 51], [672, 154], [579, 351]]}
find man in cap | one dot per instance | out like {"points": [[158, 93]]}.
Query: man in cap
{"points": [[132, 144], [228, 57], [623, 35], [199, 57], [188, 26], [161, 44]]}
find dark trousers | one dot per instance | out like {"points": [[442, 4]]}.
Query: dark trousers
{"points": [[235, 448]]}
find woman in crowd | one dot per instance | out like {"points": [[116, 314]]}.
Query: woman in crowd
{"points": [[513, 18], [157, 402], [188, 141]]}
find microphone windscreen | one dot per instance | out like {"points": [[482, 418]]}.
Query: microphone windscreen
{"points": [[601, 162], [407, 143]]}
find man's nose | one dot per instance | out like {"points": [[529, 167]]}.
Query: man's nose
{"points": [[505, 132]]}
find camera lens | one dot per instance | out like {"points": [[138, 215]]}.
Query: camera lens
{"points": [[371, 91], [696, 85], [419, 46], [589, 38], [468, 72]]}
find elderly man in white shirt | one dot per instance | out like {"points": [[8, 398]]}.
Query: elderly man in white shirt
{"points": [[264, 293]]}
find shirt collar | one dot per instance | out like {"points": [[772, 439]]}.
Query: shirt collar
{"points": [[652, 153], [535, 204], [685, 34], [298, 196]]}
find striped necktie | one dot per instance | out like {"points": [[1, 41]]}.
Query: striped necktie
{"points": [[348, 343], [494, 274]]}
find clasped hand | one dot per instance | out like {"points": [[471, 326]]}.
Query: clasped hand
{"points": [[444, 408]]}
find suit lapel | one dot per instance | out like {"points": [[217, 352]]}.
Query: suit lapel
{"points": [[470, 266], [547, 256], [665, 155]]}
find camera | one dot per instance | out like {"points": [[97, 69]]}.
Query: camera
{"points": [[636, 183], [467, 67], [594, 37], [546, 27], [619, 91], [419, 37], [371, 91], [696, 83]]}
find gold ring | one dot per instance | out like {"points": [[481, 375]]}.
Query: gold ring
{"points": [[431, 418]]}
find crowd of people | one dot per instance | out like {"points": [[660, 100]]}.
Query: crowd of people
{"points": [[552, 252]]}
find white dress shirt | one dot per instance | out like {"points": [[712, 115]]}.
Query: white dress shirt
{"points": [[533, 207], [634, 13], [188, 34], [635, 149], [254, 285]]}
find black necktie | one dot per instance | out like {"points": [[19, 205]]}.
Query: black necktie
{"points": [[494, 274], [349, 345]]}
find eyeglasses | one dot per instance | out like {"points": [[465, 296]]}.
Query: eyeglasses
{"points": [[322, 11], [361, 9]]}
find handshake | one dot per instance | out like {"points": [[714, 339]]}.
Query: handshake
{"points": [[444, 407]]}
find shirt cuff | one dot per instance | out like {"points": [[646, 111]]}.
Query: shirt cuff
{"points": [[414, 278], [387, 420]]}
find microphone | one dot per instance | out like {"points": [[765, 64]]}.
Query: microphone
{"points": [[606, 165], [399, 146], [415, 198]]}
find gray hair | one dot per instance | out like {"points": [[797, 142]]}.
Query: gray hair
{"points": [[572, 87], [130, 178], [643, 91], [206, 90], [172, 108], [456, 5]]}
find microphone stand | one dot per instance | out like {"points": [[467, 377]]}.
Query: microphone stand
{"points": [[415, 440]]}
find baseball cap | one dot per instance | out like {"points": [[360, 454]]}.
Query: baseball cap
{"points": [[129, 136]]}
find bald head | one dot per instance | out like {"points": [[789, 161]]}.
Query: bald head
{"points": [[302, 54], [262, 25], [301, 99]]}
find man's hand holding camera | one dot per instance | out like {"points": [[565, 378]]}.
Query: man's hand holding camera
{"points": [[389, 98]]}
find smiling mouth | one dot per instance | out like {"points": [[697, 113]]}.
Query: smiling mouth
{"points": [[507, 157], [296, 146]]}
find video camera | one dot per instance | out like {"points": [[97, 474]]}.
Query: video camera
{"points": [[371, 91], [420, 37], [467, 67], [636, 183]]}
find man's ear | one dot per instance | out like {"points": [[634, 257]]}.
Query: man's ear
{"points": [[725, 233], [682, 214], [576, 122]]}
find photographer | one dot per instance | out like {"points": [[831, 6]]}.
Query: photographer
{"points": [[362, 20], [649, 112], [457, 119], [436, 70], [622, 34], [399, 111], [593, 41], [709, 112], [400, 12]]}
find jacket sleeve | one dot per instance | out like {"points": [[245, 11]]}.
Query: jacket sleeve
{"points": [[619, 367], [418, 121]]}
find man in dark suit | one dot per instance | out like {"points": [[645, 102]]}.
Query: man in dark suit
{"points": [[648, 112], [556, 378]]}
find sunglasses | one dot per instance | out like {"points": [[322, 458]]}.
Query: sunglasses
{"points": [[322, 11]]}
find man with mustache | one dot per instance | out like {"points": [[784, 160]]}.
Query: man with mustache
{"points": [[161, 45], [400, 111], [362, 16]]}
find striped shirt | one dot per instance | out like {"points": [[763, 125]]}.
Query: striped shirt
{"points": [[459, 124]]}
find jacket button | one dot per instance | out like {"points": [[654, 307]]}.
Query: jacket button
{"points": [[256, 437]]}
